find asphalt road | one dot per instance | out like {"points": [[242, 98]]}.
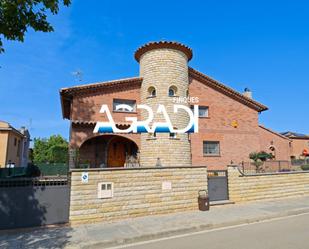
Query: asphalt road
{"points": [[285, 233]]}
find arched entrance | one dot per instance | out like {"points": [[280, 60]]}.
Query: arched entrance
{"points": [[107, 151], [119, 150]]}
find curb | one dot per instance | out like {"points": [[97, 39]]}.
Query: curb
{"points": [[169, 233]]}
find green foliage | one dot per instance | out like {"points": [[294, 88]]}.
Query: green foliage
{"points": [[305, 167], [258, 159], [52, 150], [262, 155], [17, 16], [53, 169]]}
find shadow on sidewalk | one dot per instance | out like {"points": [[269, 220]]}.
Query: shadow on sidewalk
{"points": [[47, 237]]}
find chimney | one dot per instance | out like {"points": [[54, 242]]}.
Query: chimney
{"points": [[247, 93], [22, 130]]}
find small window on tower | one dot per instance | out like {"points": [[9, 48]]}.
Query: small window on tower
{"points": [[152, 92], [172, 91], [152, 135], [173, 135]]}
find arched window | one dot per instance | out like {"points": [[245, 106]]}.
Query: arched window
{"points": [[172, 91], [152, 92]]}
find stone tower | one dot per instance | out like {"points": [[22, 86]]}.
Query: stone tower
{"points": [[164, 69]]}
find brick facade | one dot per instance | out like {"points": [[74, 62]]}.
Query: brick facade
{"points": [[299, 145], [281, 145], [235, 143]]}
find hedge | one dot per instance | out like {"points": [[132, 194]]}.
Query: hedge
{"points": [[305, 167]]}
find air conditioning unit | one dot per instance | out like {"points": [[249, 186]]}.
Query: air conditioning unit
{"points": [[105, 190]]}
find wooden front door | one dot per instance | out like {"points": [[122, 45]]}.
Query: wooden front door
{"points": [[117, 152]]}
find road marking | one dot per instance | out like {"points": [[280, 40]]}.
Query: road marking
{"points": [[205, 231]]}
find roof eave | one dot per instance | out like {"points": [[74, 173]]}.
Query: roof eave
{"points": [[66, 94], [228, 91], [275, 133], [68, 98], [103, 84]]}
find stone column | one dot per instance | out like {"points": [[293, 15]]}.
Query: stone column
{"points": [[164, 65], [234, 183]]}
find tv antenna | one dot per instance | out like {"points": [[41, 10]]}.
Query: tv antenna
{"points": [[78, 75]]}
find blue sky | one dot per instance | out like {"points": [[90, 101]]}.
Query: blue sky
{"points": [[263, 45]]}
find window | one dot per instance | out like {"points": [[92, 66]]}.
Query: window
{"points": [[124, 105], [152, 92], [172, 91], [152, 135], [211, 148], [203, 111], [15, 141], [173, 135], [105, 190]]}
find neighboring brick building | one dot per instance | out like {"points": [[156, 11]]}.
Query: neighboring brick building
{"points": [[228, 125], [300, 144]]}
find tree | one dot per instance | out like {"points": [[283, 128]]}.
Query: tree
{"points": [[40, 150], [52, 150], [258, 159], [16, 16]]}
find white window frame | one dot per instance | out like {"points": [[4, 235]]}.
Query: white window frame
{"points": [[129, 102], [206, 108], [105, 190], [211, 154]]}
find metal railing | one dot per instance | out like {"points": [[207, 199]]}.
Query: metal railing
{"points": [[300, 162], [266, 167], [39, 170], [22, 182]]}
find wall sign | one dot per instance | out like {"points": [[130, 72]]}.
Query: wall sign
{"points": [[85, 177]]}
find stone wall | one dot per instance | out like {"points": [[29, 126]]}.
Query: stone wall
{"points": [[267, 186], [137, 192]]}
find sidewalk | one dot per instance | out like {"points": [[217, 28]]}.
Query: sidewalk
{"points": [[102, 235]]}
